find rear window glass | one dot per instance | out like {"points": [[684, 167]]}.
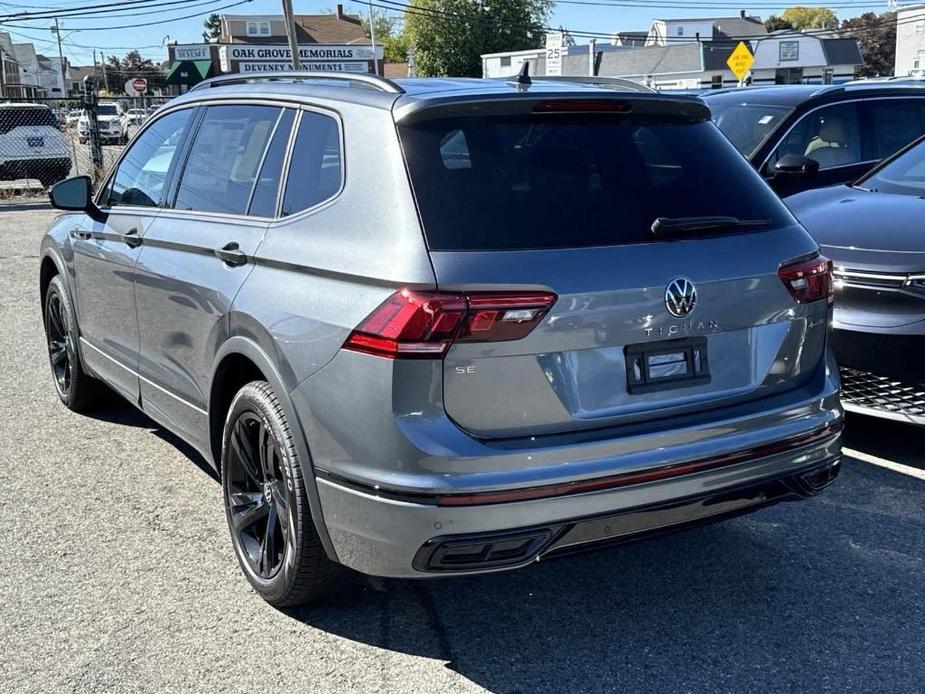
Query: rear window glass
{"points": [[747, 125], [18, 117], [492, 183]]}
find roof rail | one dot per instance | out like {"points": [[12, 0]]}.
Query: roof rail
{"points": [[598, 81], [360, 78]]}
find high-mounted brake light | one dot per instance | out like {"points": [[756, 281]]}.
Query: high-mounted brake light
{"points": [[583, 106], [413, 324], [809, 280]]}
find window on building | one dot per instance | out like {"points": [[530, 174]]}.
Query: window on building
{"points": [[258, 28], [919, 27], [315, 171], [680, 31], [506, 61], [227, 151], [716, 82], [789, 50]]}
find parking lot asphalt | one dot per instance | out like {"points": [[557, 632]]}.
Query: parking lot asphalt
{"points": [[119, 575]]}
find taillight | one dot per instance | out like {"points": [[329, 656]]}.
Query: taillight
{"points": [[425, 324], [809, 280]]}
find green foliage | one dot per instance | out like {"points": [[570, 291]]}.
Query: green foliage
{"points": [[450, 36], [801, 18], [775, 23], [390, 34], [132, 64], [877, 39], [213, 25]]}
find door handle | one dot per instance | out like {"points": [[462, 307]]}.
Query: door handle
{"points": [[80, 234], [131, 238], [231, 254]]}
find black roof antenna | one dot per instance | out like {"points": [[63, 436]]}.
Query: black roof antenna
{"points": [[522, 78]]}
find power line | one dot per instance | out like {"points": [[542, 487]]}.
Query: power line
{"points": [[145, 24]]}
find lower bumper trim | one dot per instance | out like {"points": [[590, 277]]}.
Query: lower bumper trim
{"points": [[509, 549]]}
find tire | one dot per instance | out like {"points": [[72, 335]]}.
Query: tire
{"points": [[266, 506], [77, 390]]}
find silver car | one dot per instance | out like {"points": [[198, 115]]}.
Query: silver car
{"points": [[448, 326]]}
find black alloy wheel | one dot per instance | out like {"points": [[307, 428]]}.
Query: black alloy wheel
{"points": [[60, 349], [259, 496]]}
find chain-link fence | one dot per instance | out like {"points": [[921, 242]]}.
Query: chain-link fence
{"points": [[43, 141]]}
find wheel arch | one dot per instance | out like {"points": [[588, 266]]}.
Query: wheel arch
{"points": [[241, 358], [49, 268]]}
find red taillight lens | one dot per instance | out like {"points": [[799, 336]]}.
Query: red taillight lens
{"points": [[809, 280], [425, 324]]}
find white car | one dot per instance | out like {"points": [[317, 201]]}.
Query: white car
{"points": [[72, 117], [31, 146], [113, 124], [136, 116]]}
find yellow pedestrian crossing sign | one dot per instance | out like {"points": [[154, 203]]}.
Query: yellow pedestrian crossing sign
{"points": [[740, 61]]}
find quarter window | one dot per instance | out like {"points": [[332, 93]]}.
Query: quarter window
{"points": [[316, 169], [223, 161], [143, 171]]}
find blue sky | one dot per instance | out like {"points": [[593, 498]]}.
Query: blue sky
{"points": [[79, 45]]}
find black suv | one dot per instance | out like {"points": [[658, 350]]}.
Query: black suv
{"points": [[809, 136]]}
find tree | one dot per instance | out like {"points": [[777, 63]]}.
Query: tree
{"points": [[775, 23], [132, 64], [213, 26], [450, 36], [390, 34], [877, 39], [801, 18]]}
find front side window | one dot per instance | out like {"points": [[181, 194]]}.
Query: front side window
{"points": [[904, 175], [316, 169], [830, 135], [142, 173], [225, 157]]}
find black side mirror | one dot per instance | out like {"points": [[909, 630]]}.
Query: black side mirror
{"points": [[74, 195], [795, 165]]}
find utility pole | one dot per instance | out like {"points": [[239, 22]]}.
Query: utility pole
{"points": [[2, 75], [57, 30], [103, 64], [290, 33], [372, 37]]}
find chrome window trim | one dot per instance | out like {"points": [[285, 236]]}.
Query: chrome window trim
{"points": [[836, 103], [282, 102]]}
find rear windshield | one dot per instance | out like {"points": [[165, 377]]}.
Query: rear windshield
{"points": [[17, 117], [565, 181]]}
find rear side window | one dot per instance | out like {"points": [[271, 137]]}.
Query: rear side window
{"points": [[223, 161], [316, 169], [263, 203], [894, 124], [558, 181], [18, 117]]}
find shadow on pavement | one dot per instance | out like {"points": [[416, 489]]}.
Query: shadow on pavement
{"points": [[895, 441], [822, 595]]}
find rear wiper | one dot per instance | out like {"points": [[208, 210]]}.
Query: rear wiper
{"points": [[669, 226]]}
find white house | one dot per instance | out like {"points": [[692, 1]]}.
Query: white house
{"points": [[664, 32], [910, 41]]}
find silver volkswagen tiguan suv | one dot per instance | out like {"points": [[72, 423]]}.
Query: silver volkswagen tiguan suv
{"points": [[447, 326]]}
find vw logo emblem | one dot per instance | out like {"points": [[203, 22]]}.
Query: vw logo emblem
{"points": [[680, 297]]}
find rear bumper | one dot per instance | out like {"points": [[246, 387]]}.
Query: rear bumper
{"points": [[11, 169], [383, 534]]}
